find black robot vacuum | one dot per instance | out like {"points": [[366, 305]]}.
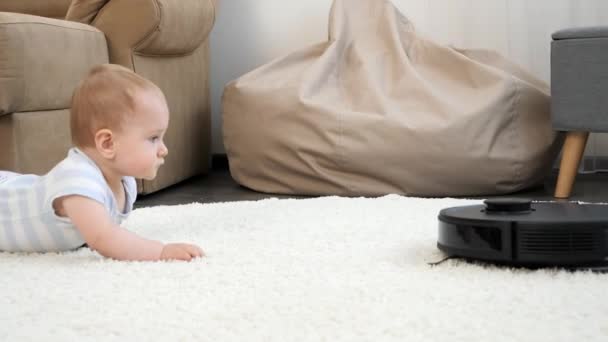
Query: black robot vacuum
{"points": [[521, 233]]}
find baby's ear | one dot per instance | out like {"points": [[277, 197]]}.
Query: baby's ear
{"points": [[104, 143]]}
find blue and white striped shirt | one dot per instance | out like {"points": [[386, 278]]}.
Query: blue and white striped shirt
{"points": [[28, 222]]}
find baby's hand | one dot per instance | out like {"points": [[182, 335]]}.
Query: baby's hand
{"points": [[181, 251]]}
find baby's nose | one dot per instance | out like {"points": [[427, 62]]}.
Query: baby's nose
{"points": [[163, 150]]}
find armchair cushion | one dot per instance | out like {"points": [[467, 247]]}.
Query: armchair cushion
{"points": [[43, 59]]}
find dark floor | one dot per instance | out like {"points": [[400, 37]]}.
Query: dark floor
{"points": [[218, 186]]}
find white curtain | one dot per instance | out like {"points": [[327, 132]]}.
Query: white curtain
{"points": [[249, 33], [519, 29]]}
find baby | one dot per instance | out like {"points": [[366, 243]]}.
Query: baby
{"points": [[118, 120]]}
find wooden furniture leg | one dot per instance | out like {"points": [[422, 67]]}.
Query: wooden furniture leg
{"points": [[574, 146]]}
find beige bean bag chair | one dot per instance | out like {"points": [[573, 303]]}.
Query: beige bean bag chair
{"points": [[380, 109]]}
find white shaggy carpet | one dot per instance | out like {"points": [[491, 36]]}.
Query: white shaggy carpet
{"points": [[325, 269]]}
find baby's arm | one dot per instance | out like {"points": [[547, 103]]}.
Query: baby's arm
{"points": [[110, 240]]}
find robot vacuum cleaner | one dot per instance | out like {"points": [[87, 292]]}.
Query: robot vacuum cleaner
{"points": [[521, 233]]}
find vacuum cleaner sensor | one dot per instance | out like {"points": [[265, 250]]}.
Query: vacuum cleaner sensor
{"points": [[519, 232]]}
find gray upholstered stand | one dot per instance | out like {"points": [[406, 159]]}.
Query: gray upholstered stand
{"points": [[579, 94]]}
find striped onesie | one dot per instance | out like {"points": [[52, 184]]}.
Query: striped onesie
{"points": [[28, 222]]}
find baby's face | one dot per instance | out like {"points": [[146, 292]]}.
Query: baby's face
{"points": [[140, 147]]}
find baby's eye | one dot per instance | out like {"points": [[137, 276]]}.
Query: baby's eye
{"points": [[154, 138]]}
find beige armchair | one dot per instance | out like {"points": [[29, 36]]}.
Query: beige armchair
{"points": [[43, 58]]}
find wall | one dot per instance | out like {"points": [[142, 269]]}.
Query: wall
{"points": [[250, 33]]}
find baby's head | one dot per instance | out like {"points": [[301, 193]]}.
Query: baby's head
{"points": [[120, 117]]}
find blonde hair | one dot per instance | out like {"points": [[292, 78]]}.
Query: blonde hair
{"points": [[105, 98]]}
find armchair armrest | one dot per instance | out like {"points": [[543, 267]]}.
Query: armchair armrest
{"points": [[154, 27], [43, 59]]}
